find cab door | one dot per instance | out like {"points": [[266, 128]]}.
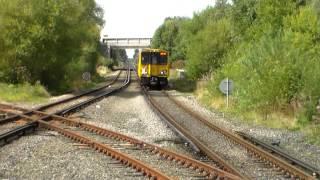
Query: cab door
{"points": [[145, 64]]}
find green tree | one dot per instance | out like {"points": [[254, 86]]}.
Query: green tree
{"points": [[53, 42], [208, 48], [167, 37]]}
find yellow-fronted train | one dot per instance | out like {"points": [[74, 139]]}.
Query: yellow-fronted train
{"points": [[153, 67]]}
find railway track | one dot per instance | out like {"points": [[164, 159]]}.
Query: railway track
{"points": [[86, 99], [55, 106], [278, 152], [220, 162], [224, 144], [147, 159]]}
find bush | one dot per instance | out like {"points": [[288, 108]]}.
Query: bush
{"points": [[278, 71], [208, 48], [48, 41], [178, 64], [23, 93]]}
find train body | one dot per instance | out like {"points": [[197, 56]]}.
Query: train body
{"points": [[153, 67]]}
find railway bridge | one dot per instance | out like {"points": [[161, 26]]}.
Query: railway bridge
{"points": [[125, 43]]}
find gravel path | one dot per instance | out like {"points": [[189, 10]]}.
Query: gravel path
{"points": [[292, 142]]}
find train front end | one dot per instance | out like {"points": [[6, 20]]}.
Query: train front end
{"points": [[153, 67]]}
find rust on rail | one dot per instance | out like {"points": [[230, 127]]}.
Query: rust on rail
{"points": [[185, 161], [225, 166], [256, 151]]}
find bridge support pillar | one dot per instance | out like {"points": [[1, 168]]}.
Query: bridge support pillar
{"points": [[109, 52]]}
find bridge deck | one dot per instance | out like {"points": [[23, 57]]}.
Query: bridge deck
{"points": [[127, 42]]}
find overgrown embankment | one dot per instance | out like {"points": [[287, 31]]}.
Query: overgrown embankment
{"points": [[270, 49], [50, 42], [23, 93]]}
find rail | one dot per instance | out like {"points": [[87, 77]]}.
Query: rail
{"points": [[31, 126]]}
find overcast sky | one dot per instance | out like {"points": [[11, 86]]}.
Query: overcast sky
{"points": [[140, 18]]}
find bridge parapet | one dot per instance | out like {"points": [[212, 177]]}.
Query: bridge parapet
{"points": [[127, 42]]}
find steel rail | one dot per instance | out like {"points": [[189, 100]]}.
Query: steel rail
{"points": [[208, 170], [256, 151], [307, 167], [20, 131], [103, 148], [179, 133], [46, 106], [123, 158], [222, 163]]}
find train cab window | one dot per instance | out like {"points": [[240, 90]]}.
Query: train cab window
{"points": [[158, 58], [154, 59], [145, 58], [163, 58]]}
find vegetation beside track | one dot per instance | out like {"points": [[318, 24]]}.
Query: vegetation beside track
{"points": [[270, 49], [275, 119], [278, 119], [23, 93], [37, 93], [51, 42]]}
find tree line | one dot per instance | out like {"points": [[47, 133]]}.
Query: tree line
{"points": [[269, 48], [49, 41]]}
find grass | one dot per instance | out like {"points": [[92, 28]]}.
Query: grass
{"points": [[313, 132], [23, 93]]}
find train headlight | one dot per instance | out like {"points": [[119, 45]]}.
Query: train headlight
{"points": [[164, 72]]}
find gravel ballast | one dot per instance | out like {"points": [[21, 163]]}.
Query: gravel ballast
{"points": [[292, 142], [47, 154]]}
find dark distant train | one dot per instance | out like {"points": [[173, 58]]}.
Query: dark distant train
{"points": [[153, 67]]}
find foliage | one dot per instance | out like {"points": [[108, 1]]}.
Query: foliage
{"points": [[269, 48], [179, 64], [23, 92], [53, 42], [119, 55], [208, 48], [167, 37], [276, 68]]}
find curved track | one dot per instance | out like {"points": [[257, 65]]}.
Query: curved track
{"points": [[269, 159], [71, 129], [89, 98], [51, 107], [275, 167]]}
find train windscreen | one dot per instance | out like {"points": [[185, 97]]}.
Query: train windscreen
{"points": [[154, 58]]}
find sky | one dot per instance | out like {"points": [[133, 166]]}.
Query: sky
{"points": [[140, 18]]}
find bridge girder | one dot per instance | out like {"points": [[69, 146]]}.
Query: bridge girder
{"points": [[126, 43]]}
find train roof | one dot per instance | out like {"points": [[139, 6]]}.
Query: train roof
{"points": [[152, 50]]}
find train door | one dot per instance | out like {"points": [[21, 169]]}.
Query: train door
{"points": [[145, 64]]}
